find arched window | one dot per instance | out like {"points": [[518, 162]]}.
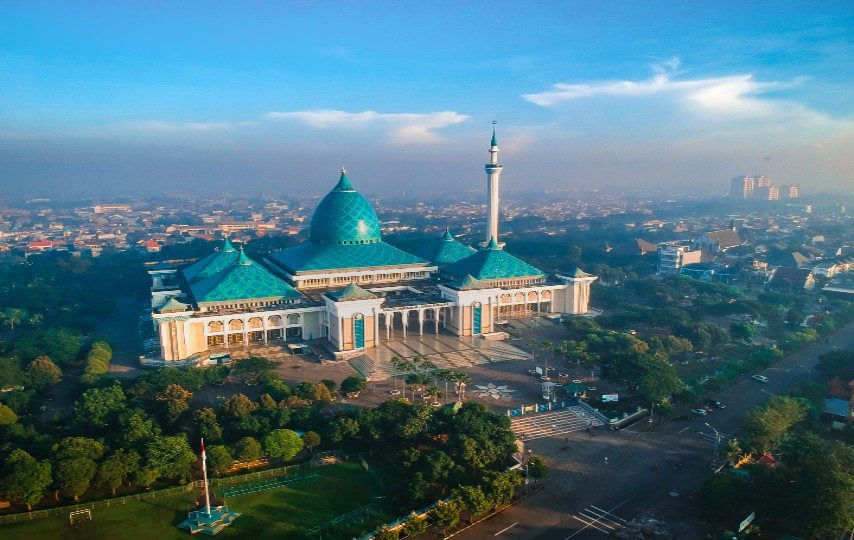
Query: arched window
{"points": [[215, 327], [275, 320], [255, 322], [293, 318], [235, 324]]}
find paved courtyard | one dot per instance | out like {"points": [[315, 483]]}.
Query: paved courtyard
{"points": [[551, 424], [446, 352]]}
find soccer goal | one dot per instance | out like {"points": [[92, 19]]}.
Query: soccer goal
{"points": [[79, 514]]}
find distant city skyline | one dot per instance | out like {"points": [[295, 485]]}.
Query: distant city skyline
{"points": [[125, 98]]}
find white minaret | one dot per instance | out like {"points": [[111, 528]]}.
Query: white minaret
{"points": [[493, 186]]}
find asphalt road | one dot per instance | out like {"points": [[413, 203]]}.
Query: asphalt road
{"points": [[604, 479]]}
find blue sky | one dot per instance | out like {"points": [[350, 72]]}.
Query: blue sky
{"points": [[123, 97]]}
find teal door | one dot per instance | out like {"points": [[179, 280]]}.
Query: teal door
{"points": [[358, 331], [475, 318]]}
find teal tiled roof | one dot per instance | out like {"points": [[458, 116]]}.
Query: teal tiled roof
{"points": [[351, 292], [578, 273], [173, 304], [210, 265], [310, 257], [344, 217], [468, 283], [492, 263], [445, 250], [244, 279]]}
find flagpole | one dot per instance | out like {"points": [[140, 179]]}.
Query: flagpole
{"points": [[205, 476]]}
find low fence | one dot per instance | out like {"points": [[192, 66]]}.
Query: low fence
{"points": [[539, 407], [104, 503], [319, 460]]}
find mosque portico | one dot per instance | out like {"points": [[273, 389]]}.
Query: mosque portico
{"points": [[348, 286]]}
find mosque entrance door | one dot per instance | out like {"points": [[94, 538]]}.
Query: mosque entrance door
{"points": [[293, 333]]}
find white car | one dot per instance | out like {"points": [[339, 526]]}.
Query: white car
{"points": [[699, 412], [760, 378]]}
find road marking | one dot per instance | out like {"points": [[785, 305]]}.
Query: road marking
{"points": [[598, 520], [588, 524], [607, 512], [767, 392], [506, 529], [684, 428]]}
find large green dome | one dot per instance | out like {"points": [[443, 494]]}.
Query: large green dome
{"points": [[344, 217]]}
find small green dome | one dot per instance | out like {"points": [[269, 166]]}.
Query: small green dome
{"points": [[344, 217]]}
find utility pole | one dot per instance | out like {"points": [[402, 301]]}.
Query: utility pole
{"points": [[717, 438]]}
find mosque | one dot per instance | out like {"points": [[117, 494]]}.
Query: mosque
{"points": [[349, 288]]}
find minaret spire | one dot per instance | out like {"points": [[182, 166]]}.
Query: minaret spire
{"points": [[493, 187]]}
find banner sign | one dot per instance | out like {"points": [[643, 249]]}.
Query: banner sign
{"points": [[610, 397]]}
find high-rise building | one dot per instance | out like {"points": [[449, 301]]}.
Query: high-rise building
{"points": [[789, 192], [766, 193], [762, 181], [741, 187]]}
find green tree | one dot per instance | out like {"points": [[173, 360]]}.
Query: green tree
{"points": [[207, 426], [112, 472], [282, 444], [501, 486], [100, 406], [311, 439], [174, 401], [353, 384], [446, 515], [384, 533], [172, 457], [145, 476], [765, 425], [839, 363], [248, 449], [7, 415], [537, 468], [25, 479], [75, 464], [743, 331], [474, 500], [238, 406], [43, 373], [136, 428], [726, 495], [413, 526], [219, 459], [74, 475], [439, 466], [659, 380]]}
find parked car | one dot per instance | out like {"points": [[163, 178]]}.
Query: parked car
{"points": [[699, 412], [715, 403], [760, 378]]}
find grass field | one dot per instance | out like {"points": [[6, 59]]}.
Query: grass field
{"points": [[277, 513]]}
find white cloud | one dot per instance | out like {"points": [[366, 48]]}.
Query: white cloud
{"points": [[402, 128], [737, 95]]}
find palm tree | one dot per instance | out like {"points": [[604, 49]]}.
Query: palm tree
{"points": [[460, 380], [446, 376], [434, 393], [532, 343], [549, 348]]}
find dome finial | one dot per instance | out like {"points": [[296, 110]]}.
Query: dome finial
{"points": [[344, 182]]}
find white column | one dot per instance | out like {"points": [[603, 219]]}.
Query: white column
{"points": [[491, 316], [421, 322], [264, 327], [437, 312], [388, 321], [340, 333], [376, 327], [405, 318]]}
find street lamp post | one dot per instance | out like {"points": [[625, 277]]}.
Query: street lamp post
{"points": [[808, 370], [717, 438]]}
